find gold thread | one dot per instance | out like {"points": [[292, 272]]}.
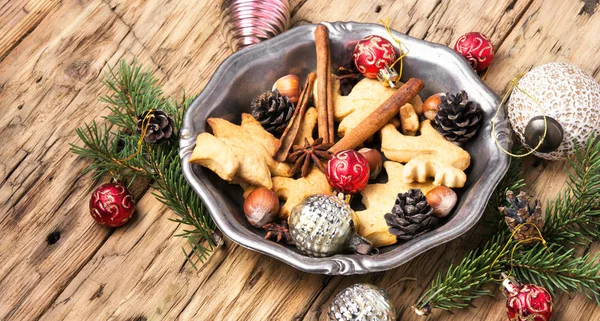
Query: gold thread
{"points": [[512, 252], [402, 48], [487, 70], [145, 124], [506, 95]]}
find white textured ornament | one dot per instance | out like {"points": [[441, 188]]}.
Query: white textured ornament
{"points": [[565, 93]]}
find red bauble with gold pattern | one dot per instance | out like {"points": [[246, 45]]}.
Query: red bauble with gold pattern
{"points": [[477, 49], [348, 171], [112, 204], [372, 54], [527, 302]]}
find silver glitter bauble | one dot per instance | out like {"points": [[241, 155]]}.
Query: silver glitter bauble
{"points": [[362, 302], [323, 225]]}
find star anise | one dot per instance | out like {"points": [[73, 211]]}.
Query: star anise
{"points": [[314, 153], [278, 232]]}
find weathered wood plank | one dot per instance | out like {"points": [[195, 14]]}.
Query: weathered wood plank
{"points": [[19, 18], [69, 303], [49, 86]]}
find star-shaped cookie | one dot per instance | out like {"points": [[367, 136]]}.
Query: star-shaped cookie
{"points": [[379, 199], [239, 153], [294, 191], [428, 155]]}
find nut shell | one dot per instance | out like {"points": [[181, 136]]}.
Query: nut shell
{"points": [[289, 85], [375, 160], [430, 106], [442, 199], [261, 206]]}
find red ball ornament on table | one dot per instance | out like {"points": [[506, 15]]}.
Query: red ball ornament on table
{"points": [[372, 54], [348, 171], [527, 302], [477, 49], [112, 204]]}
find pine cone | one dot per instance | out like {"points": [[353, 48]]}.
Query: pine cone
{"points": [[458, 119], [160, 126], [519, 212], [273, 111], [411, 215]]}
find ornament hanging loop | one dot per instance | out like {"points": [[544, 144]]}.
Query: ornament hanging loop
{"points": [[145, 125], [514, 85], [403, 52], [512, 252]]}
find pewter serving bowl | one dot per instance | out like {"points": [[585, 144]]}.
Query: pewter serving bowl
{"points": [[247, 73]]}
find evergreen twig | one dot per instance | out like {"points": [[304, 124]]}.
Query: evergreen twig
{"points": [[133, 91], [570, 219]]}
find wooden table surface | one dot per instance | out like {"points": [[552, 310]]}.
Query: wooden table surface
{"points": [[53, 54]]}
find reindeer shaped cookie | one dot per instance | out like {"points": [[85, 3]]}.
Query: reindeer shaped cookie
{"points": [[426, 155]]}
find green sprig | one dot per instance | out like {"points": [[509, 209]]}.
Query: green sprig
{"points": [[133, 91], [572, 218]]}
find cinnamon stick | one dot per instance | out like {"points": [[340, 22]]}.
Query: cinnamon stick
{"points": [[330, 120], [291, 131], [323, 55], [379, 117]]}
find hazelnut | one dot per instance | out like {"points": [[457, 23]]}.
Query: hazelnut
{"points": [[442, 199], [375, 160], [289, 85], [430, 106], [261, 206]]}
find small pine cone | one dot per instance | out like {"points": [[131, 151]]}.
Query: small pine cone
{"points": [[411, 215], [160, 126], [273, 111], [520, 211], [458, 119]]}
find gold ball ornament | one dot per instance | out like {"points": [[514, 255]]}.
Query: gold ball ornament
{"points": [[565, 93]]}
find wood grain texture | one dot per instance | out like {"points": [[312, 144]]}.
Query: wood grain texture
{"points": [[52, 56]]}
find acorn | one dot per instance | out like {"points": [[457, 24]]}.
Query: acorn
{"points": [[442, 199], [430, 106], [261, 206], [375, 160], [289, 85]]}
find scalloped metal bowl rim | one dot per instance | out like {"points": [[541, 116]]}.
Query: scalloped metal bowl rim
{"points": [[345, 263]]}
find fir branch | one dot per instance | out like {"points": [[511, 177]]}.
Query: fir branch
{"points": [[573, 216], [464, 282], [100, 146], [559, 269], [133, 91], [570, 219]]}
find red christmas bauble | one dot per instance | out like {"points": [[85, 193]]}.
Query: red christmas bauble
{"points": [[527, 302], [373, 53], [477, 49], [112, 204], [348, 171]]}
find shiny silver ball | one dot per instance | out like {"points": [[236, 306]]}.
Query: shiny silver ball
{"points": [[322, 225], [362, 302]]}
